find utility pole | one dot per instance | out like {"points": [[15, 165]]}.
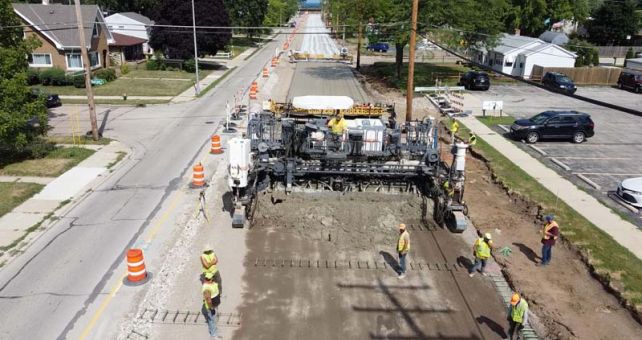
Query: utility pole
{"points": [[197, 87], [359, 47], [85, 60], [410, 89]]}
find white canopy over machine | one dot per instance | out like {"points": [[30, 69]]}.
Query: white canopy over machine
{"points": [[323, 102]]}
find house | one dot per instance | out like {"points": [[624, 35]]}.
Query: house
{"points": [[516, 55], [55, 26], [634, 64], [133, 25], [557, 38], [126, 48]]}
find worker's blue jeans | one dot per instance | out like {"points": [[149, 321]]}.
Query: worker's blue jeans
{"points": [[402, 263], [211, 320], [547, 252], [480, 264]]}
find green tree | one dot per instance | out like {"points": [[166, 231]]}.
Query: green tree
{"points": [[587, 54], [248, 13], [613, 22], [19, 112], [532, 17], [280, 12]]}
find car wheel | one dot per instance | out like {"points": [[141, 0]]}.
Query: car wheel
{"points": [[638, 89], [579, 137], [532, 137]]}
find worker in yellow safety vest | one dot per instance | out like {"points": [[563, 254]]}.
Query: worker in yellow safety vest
{"points": [[403, 246], [517, 315], [550, 232], [481, 251], [209, 261], [338, 124], [472, 140], [211, 300]]}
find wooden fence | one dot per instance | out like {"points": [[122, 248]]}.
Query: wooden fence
{"points": [[581, 75]]}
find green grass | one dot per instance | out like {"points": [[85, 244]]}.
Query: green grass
{"points": [[132, 87], [165, 74], [128, 102], [216, 82], [237, 50], [12, 194], [608, 258], [119, 158], [54, 164], [492, 120], [77, 140]]}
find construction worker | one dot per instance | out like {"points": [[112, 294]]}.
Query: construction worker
{"points": [[481, 250], [338, 124], [517, 315], [472, 140], [403, 246], [211, 300], [550, 232], [209, 261]]}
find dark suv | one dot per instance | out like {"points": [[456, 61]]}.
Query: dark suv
{"points": [[475, 80], [630, 80], [559, 82], [378, 47], [555, 125]]}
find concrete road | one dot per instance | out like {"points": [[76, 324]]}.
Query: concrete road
{"points": [[315, 41], [325, 79], [605, 159], [54, 289]]}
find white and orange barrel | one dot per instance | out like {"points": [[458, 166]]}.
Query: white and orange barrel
{"points": [[266, 72], [198, 179], [216, 145], [135, 265]]}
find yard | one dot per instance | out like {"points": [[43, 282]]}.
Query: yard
{"points": [[12, 194], [53, 164]]}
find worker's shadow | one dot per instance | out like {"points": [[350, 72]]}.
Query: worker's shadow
{"points": [[464, 262], [390, 260], [228, 202], [494, 326], [526, 250]]}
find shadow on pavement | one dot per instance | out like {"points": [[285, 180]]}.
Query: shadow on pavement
{"points": [[464, 262], [494, 326], [526, 250], [390, 260]]}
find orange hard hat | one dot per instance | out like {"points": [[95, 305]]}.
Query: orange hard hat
{"points": [[514, 299]]}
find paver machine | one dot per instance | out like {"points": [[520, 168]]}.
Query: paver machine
{"points": [[294, 150]]}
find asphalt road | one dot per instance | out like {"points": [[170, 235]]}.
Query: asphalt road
{"points": [[607, 158], [49, 288]]}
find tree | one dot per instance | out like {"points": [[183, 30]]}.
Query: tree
{"points": [[280, 11], [177, 42], [587, 54], [613, 22], [19, 111], [248, 13], [532, 17]]}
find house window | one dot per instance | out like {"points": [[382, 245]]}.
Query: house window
{"points": [[94, 59], [40, 60], [74, 61], [509, 64], [521, 65], [95, 32]]}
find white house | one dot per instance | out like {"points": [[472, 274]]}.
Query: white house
{"points": [[131, 24], [516, 55], [634, 64]]}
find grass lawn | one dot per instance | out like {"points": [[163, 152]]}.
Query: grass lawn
{"points": [[78, 139], [609, 259], [142, 73], [237, 50], [493, 120], [13, 194], [128, 102], [54, 164]]}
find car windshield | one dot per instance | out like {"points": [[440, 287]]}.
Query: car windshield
{"points": [[541, 118], [564, 79]]}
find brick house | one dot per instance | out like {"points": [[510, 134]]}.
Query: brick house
{"points": [[55, 26]]}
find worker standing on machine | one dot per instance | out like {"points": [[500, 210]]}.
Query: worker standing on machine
{"points": [[403, 246], [517, 315], [338, 124]]}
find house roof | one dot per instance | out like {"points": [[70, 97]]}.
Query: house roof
{"points": [[545, 46], [138, 17], [58, 22], [126, 40], [509, 43], [557, 38]]}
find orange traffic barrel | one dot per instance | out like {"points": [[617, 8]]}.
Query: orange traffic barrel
{"points": [[198, 179], [274, 61], [266, 73], [252, 93], [135, 265], [216, 145]]}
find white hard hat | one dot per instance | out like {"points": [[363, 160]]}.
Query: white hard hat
{"points": [[488, 236]]}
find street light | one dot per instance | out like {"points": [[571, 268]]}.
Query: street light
{"points": [[197, 87]]}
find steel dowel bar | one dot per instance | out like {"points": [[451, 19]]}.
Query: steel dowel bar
{"points": [[175, 316], [154, 315], [165, 315], [186, 316]]}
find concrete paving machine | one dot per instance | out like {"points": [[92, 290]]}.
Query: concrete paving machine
{"points": [[298, 152]]}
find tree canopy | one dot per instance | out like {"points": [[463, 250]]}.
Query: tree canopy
{"points": [[248, 13], [17, 106], [177, 42], [613, 22]]}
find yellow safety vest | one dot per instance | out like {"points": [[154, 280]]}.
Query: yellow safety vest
{"points": [[518, 311], [472, 140], [212, 288], [403, 247], [338, 125], [482, 249], [548, 227], [209, 258]]}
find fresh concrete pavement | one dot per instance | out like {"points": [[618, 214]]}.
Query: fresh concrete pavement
{"points": [[59, 286], [611, 153]]}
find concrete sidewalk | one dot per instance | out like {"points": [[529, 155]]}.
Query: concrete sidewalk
{"points": [[58, 191], [625, 233]]}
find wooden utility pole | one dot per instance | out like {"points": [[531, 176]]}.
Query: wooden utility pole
{"points": [[87, 65], [359, 46], [410, 89]]}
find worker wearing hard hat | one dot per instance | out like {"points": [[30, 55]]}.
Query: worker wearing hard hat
{"points": [[481, 251], [209, 265], [211, 300], [550, 233], [517, 315], [403, 246], [338, 124]]}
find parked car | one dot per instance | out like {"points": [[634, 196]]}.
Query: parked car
{"points": [[574, 125], [630, 190], [378, 47], [51, 99], [559, 82], [472, 80], [630, 80]]}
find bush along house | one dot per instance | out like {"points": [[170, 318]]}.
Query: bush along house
{"points": [[55, 26]]}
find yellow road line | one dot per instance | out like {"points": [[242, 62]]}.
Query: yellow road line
{"points": [[101, 309]]}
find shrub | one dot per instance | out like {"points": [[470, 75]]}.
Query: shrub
{"points": [[124, 68], [39, 148], [157, 63], [33, 76], [79, 81], [108, 74], [189, 66], [53, 76]]}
